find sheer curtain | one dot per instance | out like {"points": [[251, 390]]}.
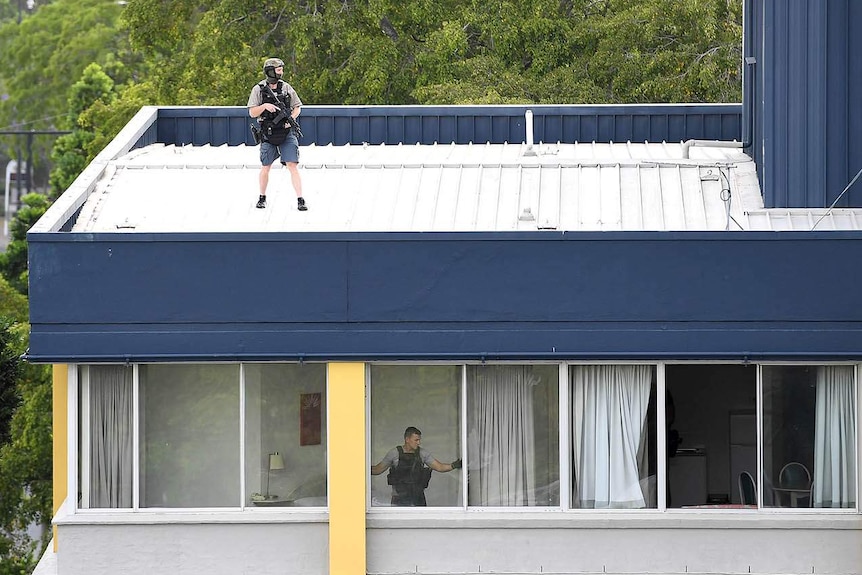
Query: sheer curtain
{"points": [[501, 439], [834, 483], [110, 436], [609, 408]]}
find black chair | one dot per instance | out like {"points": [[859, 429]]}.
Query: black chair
{"points": [[794, 481], [747, 489]]}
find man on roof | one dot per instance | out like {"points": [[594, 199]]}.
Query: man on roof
{"points": [[276, 106]]}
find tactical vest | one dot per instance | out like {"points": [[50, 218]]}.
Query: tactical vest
{"points": [[273, 133], [409, 471]]}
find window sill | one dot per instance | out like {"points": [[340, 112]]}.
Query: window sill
{"points": [[674, 519], [147, 517]]}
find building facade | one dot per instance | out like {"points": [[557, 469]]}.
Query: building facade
{"points": [[637, 328]]}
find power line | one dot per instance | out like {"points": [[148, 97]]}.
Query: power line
{"points": [[29, 134], [19, 125]]}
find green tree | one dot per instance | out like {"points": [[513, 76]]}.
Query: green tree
{"points": [[25, 467], [443, 51], [13, 262], [9, 399], [13, 310], [72, 152], [669, 51], [25, 440], [42, 54]]}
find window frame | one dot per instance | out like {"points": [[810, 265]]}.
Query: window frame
{"points": [[855, 510], [565, 463], [78, 382]]}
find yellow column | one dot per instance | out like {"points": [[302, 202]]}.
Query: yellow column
{"points": [[60, 401], [348, 469]]}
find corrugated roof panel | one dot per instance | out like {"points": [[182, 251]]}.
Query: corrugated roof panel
{"points": [[610, 198], [488, 187], [405, 199], [631, 212], [692, 192], [651, 201], [569, 215], [445, 207], [673, 205], [528, 196], [510, 198], [548, 212], [589, 199]]}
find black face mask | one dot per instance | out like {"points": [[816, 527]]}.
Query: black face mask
{"points": [[271, 75]]}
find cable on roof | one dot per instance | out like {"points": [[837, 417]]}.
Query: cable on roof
{"points": [[727, 198], [853, 181]]}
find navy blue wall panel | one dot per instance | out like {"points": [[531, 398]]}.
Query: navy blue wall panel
{"points": [[339, 125], [150, 136], [805, 93], [752, 81], [511, 295]]}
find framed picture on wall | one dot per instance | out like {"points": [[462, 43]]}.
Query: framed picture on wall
{"points": [[309, 418]]}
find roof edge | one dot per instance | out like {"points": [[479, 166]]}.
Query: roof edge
{"points": [[71, 200]]}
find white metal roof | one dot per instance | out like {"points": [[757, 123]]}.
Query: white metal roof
{"points": [[475, 187]]}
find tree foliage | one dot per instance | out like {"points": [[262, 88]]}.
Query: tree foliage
{"points": [[47, 51], [443, 51], [25, 468], [13, 262], [25, 440], [72, 152], [13, 310]]}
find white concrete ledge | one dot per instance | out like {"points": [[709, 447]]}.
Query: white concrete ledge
{"points": [[47, 564], [459, 519], [194, 518]]}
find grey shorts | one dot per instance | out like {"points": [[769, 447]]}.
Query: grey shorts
{"points": [[288, 150]]}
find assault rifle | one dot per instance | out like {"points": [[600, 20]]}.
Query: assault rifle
{"points": [[283, 115]]}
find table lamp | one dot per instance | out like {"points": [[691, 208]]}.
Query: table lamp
{"points": [[276, 461]]}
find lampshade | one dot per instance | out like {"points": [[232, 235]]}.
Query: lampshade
{"points": [[276, 461]]}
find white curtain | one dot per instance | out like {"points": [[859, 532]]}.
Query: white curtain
{"points": [[501, 440], [110, 437], [609, 407], [834, 482]]}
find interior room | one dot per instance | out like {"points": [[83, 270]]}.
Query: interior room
{"points": [[712, 433]]}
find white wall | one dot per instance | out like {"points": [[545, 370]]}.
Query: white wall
{"points": [[208, 549], [475, 543], [643, 546]]}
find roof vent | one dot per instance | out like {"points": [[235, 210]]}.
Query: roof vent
{"points": [[528, 115], [527, 216]]}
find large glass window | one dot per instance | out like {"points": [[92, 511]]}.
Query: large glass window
{"points": [[189, 435], [423, 398], [105, 446], [711, 426], [809, 436], [513, 435], [613, 436], [285, 437]]}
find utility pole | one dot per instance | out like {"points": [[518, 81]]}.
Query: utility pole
{"points": [[29, 134]]}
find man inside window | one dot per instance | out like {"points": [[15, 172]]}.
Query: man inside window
{"points": [[410, 470]]}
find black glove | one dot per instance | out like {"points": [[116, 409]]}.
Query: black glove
{"points": [[456, 464]]}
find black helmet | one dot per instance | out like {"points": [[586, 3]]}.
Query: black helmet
{"points": [[269, 69]]}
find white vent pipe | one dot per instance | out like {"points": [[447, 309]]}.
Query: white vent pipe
{"points": [[528, 115]]}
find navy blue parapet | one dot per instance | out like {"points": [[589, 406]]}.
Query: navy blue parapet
{"points": [[339, 125], [532, 295]]}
